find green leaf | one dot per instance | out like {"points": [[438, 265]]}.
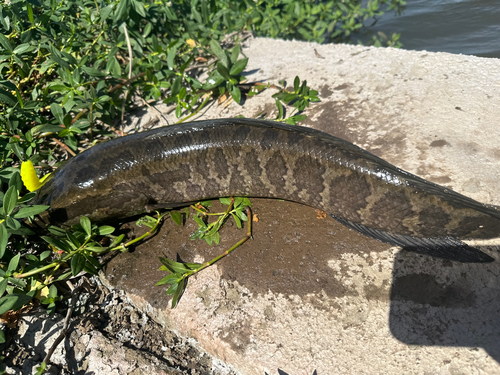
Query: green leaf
{"points": [[10, 200], [121, 10], [245, 202], [64, 276], [237, 220], [86, 225], [236, 94], [51, 309], [146, 220], [93, 71], [41, 370], [242, 215], [58, 87], [304, 89], [147, 30], [8, 98], [49, 129], [20, 49], [13, 302], [105, 229], [172, 289], [73, 240], [139, 8], [171, 57], [30, 13], [117, 240], [217, 50], [235, 54], [176, 217], [225, 201], [181, 286], [223, 71], [53, 291], [45, 255], [280, 109], [238, 67], [77, 263], [19, 283], [217, 238], [56, 230], [96, 249], [296, 84], [213, 81], [106, 11], [90, 268], [173, 266], [12, 223], [27, 197], [5, 43], [3, 286], [58, 112], [113, 67], [4, 239], [169, 279], [55, 55], [289, 98], [15, 179], [2, 337], [29, 211], [238, 201], [14, 262], [58, 244], [199, 221], [91, 260], [176, 86], [298, 118]]}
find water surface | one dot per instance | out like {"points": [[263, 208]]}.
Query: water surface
{"points": [[470, 27]]}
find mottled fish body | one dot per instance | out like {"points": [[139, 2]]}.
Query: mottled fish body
{"points": [[175, 165]]}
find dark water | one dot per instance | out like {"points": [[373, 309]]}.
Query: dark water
{"points": [[470, 27]]}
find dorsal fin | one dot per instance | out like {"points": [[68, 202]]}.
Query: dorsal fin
{"points": [[445, 247]]}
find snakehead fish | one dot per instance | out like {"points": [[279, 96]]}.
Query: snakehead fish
{"points": [[177, 165]]}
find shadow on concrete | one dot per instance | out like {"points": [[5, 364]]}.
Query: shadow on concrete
{"points": [[458, 305]]}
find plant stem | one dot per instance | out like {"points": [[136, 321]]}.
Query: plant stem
{"points": [[197, 110]]}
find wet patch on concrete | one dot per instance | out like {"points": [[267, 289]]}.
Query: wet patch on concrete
{"points": [[439, 143], [289, 254], [325, 92]]}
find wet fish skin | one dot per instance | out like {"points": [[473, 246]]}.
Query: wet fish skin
{"points": [[172, 166]]}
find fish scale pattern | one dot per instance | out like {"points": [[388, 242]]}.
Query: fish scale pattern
{"points": [[175, 165]]}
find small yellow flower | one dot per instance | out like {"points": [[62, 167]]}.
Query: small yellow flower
{"points": [[191, 43], [29, 177]]}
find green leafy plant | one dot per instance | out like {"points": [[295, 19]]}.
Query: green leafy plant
{"points": [[299, 98], [319, 21], [238, 209], [72, 251], [210, 231], [227, 74]]}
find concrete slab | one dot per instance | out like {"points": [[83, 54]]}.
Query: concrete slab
{"points": [[308, 294]]}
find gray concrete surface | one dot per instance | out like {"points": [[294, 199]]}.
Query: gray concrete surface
{"points": [[375, 310]]}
